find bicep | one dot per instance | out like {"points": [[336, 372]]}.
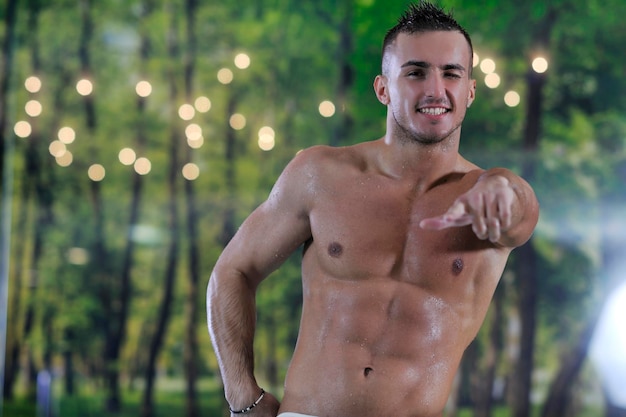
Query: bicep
{"points": [[275, 229], [264, 241]]}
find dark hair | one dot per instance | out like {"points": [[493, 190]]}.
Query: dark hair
{"points": [[424, 17]]}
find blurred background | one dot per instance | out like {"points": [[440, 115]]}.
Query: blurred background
{"points": [[138, 134]]}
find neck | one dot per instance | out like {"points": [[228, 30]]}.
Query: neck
{"points": [[406, 158]]}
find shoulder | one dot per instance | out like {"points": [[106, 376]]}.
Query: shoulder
{"points": [[315, 169], [318, 161]]}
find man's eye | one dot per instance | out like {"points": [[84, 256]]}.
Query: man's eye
{"points": [[452, 75], [416, 74]]}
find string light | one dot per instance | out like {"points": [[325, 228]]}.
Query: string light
{"points": [[143, 166], [237, 121], [242, 61], [540, 65], [203, 104], [96, 172], [84, 87], [327, 108], [191, 171], [186, 112], [225, 76], [32, 84], [33, 108], [143, 88], [22, 129], [66, 135], [267, 138]]}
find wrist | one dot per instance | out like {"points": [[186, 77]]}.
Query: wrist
{"points": [[250, 406]]}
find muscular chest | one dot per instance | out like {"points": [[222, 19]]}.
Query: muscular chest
{"points": [[372, 230]]}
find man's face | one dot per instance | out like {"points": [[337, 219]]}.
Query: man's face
{"points": [[427, 84]]}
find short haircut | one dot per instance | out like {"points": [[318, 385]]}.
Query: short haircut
{"points": [[424, 17]]}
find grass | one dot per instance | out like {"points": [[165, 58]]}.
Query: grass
{"points": [[168, 402]]}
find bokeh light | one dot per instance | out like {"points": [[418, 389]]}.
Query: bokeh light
{"points": [[127, 156], [237, 121], [225, 76], [84, 87], [77, 256], [492, 80], [22, 129], [608, 346], [267, 138], [32, 84], [512, 98], [96, 172], [57, 148], [143, 88], [242, 61], [327, 108], [65, 160], [202, 104], [540, 65], [33, 108], [143, 166], [488, 65], [191, 171], [193, 131], [186, 112], [66, 135], [195, 143]]}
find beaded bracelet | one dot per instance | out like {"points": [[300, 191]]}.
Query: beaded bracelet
{"points": [[251, 406]]}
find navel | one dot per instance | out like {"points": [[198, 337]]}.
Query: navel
{"points": [[335, 250], [367, 371], [457, 266]]}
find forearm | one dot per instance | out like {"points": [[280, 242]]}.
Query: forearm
{"points": [[231, 318]]}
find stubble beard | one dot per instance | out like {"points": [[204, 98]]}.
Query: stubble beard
{"points": [[407, 135]]}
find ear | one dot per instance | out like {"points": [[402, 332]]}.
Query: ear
{"points": [[471, 94], [381, 90]]}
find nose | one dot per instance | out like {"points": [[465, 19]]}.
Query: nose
{"points": [[434, 86]]}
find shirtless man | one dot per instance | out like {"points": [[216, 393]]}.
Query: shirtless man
{"points": [[404, 243]]}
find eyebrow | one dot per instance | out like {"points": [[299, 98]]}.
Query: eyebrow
{"points": [[423, 64]]}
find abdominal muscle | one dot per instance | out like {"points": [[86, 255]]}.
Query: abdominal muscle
{"points": [[379, 347]]}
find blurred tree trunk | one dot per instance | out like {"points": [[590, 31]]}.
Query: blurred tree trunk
{"points": [[118, 315], [157, 340], [526, 256], [193, 290], [340, 20], [346, 74], [10, 19], [228, 219], [101, 270], [559, 395], [19, 326], [6, 146], [36, 197], [42, 177]]}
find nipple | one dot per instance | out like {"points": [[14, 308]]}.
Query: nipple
{"points": [[457, 266], [335, 250]]}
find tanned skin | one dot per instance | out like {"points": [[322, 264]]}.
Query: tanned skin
{"points": [[404, 244]]}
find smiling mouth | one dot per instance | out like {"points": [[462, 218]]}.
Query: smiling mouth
{"points": [[433, 111]]}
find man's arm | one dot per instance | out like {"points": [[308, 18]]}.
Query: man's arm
{"points": [[262, 243], [501, 207]]}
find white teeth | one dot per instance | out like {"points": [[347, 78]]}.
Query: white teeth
{"points": [[433, 111]]}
